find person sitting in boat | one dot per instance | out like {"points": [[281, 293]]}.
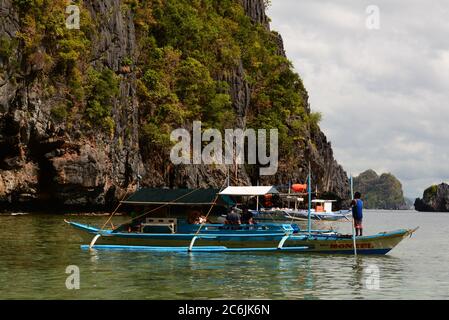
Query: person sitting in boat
{"points": [[202, 220], [196, 217], [233, 217], [247, 216], [357, 213]]}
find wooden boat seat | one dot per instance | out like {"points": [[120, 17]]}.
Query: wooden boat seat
{"points": [[159, 225]]}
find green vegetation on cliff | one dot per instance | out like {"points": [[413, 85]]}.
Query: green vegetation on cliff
{"points": [[193, 47], [84, 111], [380, 192], [187, 50]]}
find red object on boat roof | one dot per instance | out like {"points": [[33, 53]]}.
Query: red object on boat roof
{"points": [[299, 187]]}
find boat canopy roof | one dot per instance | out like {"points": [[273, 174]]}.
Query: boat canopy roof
{"points": [[179, 197], [249, 191]]}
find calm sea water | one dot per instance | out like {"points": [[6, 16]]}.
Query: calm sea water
{"points": [[35, 251]]}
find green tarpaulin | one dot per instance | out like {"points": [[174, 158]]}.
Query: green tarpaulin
{"points": [[186, 197]]}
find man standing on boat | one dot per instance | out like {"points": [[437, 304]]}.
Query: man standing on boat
{"points": [[357, 213]]}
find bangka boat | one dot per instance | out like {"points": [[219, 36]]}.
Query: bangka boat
{"points": [[288, 214], [167, 236], [320, 210]]}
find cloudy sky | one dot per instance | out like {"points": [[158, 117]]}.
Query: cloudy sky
{"points": [[383, 92]]}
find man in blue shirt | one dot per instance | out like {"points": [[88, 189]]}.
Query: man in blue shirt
{"points": [[357, 213]]}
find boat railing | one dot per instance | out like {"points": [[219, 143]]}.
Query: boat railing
{"points": [[157, 223], [249, 227], [259, 228]]}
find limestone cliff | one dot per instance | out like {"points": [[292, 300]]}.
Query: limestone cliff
{"points": [[380, 192], [43, 161], [435, 199], [68, 139]]}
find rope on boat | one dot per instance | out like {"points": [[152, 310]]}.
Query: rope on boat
{"points": [[411, 232], [207, 216], [113, 213]]}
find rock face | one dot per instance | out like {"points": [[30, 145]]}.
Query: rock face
{"points": [[48, 163], [435, 199], [255, 9], [51, 163], [380, 192]]}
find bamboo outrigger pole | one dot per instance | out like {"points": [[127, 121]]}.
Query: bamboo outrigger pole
{"points": [[309, 191], [353, 221]]}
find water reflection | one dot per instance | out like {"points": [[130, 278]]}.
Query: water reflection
{"points": [[36, 250], [94, 256]]}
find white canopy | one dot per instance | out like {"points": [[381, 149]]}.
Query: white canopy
{"points": [[249, 191]]}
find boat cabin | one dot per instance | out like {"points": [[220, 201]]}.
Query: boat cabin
{"points": [[164, 209], [177, 210], [323, 205]]}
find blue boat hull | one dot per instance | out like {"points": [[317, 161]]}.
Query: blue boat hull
{"points": [[209, 238], [242, 241]]}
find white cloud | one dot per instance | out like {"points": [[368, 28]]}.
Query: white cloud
{"points": [[383, 93]]}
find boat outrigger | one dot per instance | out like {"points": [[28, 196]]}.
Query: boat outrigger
{"points": [[170, 235]]}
